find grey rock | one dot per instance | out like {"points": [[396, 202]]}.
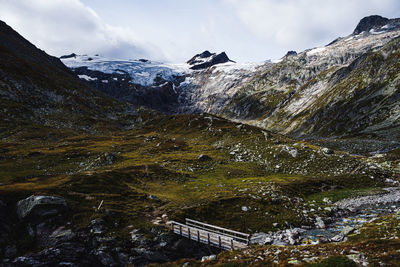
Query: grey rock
{"points": [[62, 234], [280, 243], [209, 258], [25, 261], [40, 206], [105, 258], [327, 151], [319, 223], [337, 238], [291, 150]]}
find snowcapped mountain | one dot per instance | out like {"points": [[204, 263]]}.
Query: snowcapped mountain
{"points": [[302, 94], [172, 88], [350, 86]]}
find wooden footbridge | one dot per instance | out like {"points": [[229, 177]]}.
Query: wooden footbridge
{"points": [[211, 235]]}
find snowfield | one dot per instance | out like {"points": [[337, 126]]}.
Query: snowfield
{"points": [[142, 73]]}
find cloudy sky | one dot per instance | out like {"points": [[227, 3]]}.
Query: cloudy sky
{"points": [[175, 30]]}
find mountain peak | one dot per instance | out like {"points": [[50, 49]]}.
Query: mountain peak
{"points": [[370, 22], [207, 59]]}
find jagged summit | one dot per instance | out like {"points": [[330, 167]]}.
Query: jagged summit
{"points": [[73, 55], [376, 23], [290, 53], [207, 59]]}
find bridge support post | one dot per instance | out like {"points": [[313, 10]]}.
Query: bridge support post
{"points": [[219, 242], [198, 236], [208, 238], [189, 233], [180, 229], [231, 244]]}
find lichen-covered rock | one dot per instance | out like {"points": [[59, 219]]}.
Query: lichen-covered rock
{"points": [[40, 206]]}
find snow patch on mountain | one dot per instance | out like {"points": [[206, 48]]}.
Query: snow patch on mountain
{"points": [[87, 78], [316, 51], [142, 72]]}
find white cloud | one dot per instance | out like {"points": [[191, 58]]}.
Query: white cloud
{"points": [[175, 30], [65, 26], [299, 24]]}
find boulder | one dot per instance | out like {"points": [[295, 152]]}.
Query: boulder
{"points": [[337, 238], [203, 157], [40, 206], [327, 151], [208, 258], [319, 223]]}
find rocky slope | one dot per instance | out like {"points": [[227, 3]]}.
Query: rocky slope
{"points": [[349, 87], [36, 88], [346, 88]]}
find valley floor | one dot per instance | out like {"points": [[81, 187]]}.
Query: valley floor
{"points": [[123, 187]]}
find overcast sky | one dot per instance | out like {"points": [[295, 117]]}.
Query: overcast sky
{"points": [[175, 30]]}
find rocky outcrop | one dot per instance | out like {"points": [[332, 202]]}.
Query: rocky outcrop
{"points": [[207, 59], [369, 23], [40, 206], [291, 53], [73, 55]]}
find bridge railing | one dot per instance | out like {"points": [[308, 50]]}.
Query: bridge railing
{"points": [[203, 236], [235, 235]]}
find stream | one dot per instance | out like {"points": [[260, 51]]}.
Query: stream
{"points": [[349, 215]]}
